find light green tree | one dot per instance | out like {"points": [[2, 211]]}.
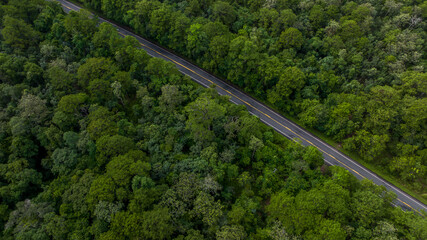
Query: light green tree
{"points": [[291, 38]]}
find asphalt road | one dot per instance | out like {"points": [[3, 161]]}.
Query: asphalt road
{"points": [[266, 115]]}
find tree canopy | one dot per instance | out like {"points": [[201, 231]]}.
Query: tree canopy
{"points": [[340, 56], [100, 141]]}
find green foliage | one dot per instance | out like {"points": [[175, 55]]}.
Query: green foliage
{"points": [[290, 83], [26, 221], [197, 40], [95, 68], [61, 80], [80, 23], [367, 145], [63, 160], [231, 232], [33, 109], [202, 114], [155, 224], [108, 147], [106, 40], [100, 141], [71, 104], [313, 157], [123, 168], [291, 38], [224, 12], [347, 53], [161, 72], [18, 33]]}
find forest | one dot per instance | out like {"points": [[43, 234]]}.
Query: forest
{"points": [[100, 141], [353, 70]]}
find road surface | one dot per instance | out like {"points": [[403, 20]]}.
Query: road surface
{"points": [[266, 115]]}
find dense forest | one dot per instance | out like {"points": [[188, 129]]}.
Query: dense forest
{"points": [[354, 70], [100, 141]]}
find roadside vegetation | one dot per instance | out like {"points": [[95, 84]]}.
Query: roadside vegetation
{"points": [[100, 141], [352, 70]]}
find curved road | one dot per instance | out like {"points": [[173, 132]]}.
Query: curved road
{"points": [[266, 115]]}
